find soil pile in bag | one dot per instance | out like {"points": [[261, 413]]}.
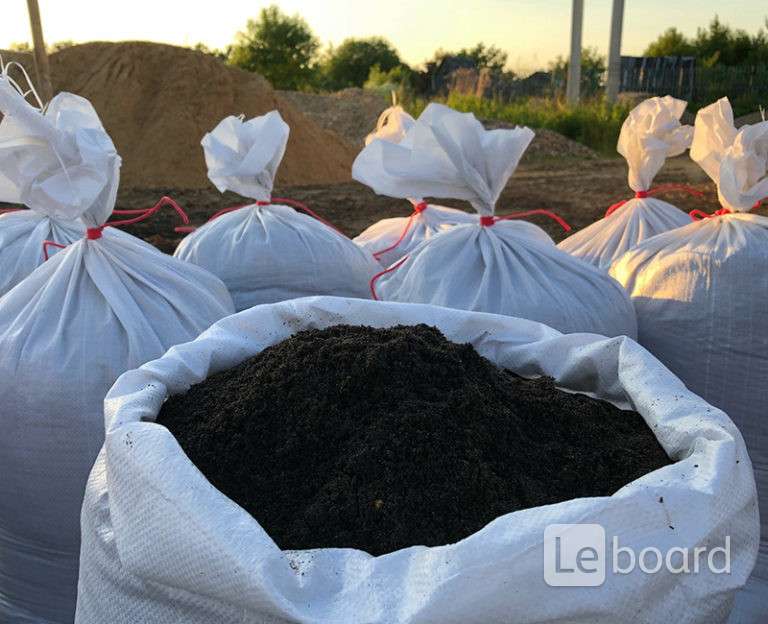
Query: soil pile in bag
{"points": [[380, 439], [156, 101]]}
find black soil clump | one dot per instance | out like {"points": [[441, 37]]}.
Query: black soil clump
{"points": [[380, 439]]}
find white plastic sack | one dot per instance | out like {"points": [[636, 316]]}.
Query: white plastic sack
{"points": [[701, 296], [266, 253], [162, 545], [502, 267], [651, 133], [390, 239], [25, 175], [96, 309], [22, 235], [736, 160]]}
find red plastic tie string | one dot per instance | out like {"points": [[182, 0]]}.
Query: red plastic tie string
{"points": [[698, 215], [95, 233], [9, 210], [50, 243], [663, 188], [486, 220], [275, 200], [376, 277], [417, 209]]}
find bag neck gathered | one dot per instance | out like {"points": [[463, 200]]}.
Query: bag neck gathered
{"points": [[735, 159]]}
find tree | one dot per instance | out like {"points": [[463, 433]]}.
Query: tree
{"points": [[350, 64], [670, 43], [593, 68], [481, 56], [219, 54], [278, 46], [718, 44]]}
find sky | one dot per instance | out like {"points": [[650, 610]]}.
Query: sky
{"points": [[533, 32]]}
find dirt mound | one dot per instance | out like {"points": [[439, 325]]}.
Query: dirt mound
{"points": [[157, 101], [351, 113], [548, 143], [329, 439]]}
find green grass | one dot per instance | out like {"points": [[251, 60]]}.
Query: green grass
{"points": [[593, 123]]}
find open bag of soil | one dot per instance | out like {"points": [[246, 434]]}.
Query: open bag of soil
{"points": [[107, 303], [162, 544], [493, 264], [650, 134], [266, 251], [701, 295]]}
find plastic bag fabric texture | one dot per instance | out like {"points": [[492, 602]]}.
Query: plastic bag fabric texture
{"points": [[267, 253], [162, 545], [701, 296], [497, 266], [105, 304], [651, 133]]}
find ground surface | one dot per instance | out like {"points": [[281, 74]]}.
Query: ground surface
{"points": [[578, 190]]}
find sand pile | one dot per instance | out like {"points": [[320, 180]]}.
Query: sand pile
{"points": [[157, 101], [351, 113], [548, 143]]}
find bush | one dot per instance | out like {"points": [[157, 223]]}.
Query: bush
{"points": [[594, 123], [350, 64], [279, 47]]}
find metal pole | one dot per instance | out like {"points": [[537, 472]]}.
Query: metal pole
{"points": [[614, 52], [40, 56], [573, 87]]}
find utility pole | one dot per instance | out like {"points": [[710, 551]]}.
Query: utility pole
{"points": [[573, 86], [40, 56], [614, 52]]}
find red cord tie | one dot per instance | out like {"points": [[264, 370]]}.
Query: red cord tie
{"points": [[417, 209], [275, 200], [655, 191], [698, 215], [376, 277], [488, 220], [95, 233]]}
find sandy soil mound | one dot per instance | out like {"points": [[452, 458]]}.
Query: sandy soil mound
{"points": [[157, 101], [351, 113], [548, 143]]}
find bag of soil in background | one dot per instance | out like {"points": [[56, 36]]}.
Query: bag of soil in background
{"points": [[107, 303], [267, 252], [651, 133], [701, 295], [163, 545], [494, 264], [23, 232], [390, 239]]}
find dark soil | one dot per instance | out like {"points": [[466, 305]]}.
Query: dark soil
{"points": [[380, 439]]}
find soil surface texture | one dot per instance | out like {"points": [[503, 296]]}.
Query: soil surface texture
{"points": [[380, 439]]}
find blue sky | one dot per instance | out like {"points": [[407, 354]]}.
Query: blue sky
{"points": [[533, 32]]}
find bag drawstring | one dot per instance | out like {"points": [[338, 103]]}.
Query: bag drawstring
{"points": [[376, 277], [488, 220], [418, 208], [275, 200], [698, 215], [142, 214], [655, 191], [485, 221]]}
